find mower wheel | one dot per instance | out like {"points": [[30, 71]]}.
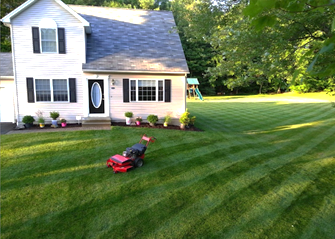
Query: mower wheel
{"points": [[138, 163]]}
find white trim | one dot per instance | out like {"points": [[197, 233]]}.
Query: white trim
{"points": [[6, 77], [157, 89], [16, 100], [86, 106], [134, 72], [85, 23], [7, 19], [48, 23], [52, 92]]}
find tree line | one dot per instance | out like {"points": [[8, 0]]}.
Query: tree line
{"points": [[244, 46]]}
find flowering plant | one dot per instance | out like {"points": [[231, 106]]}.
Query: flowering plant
{"points": [[138, 118]]}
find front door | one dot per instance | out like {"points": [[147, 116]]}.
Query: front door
{"points": [[96, 96]]}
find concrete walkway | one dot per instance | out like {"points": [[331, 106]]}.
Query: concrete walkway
{"points": [[6, 127]]}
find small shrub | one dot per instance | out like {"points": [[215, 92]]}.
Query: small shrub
{"points": [[28, 119], [184, 118], [152, 119]]}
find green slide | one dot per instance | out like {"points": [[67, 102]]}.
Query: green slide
{"points": [[198, 93]]}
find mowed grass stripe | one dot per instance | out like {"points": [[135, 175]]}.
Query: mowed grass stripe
{"points": [[125, 210], [274, 204], [271, 116], [235, 186]]}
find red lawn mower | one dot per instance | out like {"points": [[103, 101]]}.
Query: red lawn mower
{"points": [[131, 158]]}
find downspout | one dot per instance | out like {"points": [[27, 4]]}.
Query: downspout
{"points": [[16, 99], [185, 86]]}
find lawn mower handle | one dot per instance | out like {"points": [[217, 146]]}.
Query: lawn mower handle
{"points": [[148, 139]]}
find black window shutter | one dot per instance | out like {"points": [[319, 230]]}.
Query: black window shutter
{"points": [[167, 90], [36, 39], [30, 90], [61, 41], [73, 91], [125, 90]]}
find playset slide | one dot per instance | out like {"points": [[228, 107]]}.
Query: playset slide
{"points": [[198, 93]]}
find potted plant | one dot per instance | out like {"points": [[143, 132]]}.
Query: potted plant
{"points": [[152, 119], [40, 119], [128, 115], [184, 119], [167, 120], [63, 122], [28, 121], [54, 115], [138, 120]]}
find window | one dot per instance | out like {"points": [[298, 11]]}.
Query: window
{"points": [[48, 40], [48, 33], [43, 92], [60, 91], [146, 90], [56, 92]]}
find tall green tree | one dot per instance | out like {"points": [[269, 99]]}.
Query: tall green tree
{"points": [[321, 33], [6, 7], [272, 46]]}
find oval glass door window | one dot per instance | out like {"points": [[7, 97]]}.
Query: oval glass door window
{"points": [[96, 95]]}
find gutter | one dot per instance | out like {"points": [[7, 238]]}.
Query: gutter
{"points": [[136, 72], [6, 77]]}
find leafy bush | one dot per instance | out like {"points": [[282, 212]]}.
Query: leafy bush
{"points": [[28, 119], [152, 119], [185, 118]]}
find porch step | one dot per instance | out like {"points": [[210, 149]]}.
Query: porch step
{"points": [[96, 122]]}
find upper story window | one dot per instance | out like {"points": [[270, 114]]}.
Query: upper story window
{"points": [[48, 38], [48, 31]]}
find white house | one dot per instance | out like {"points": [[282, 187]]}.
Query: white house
{"points": [[95, 61]]}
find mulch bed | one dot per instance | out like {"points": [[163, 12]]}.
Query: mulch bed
{"points": [[122, 124], [157, 126], [48, 126]]}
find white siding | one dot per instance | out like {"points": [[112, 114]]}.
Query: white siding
{"points": [[48, 66], [117, 107], [7, 90]]}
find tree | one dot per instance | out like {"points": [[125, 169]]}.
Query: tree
{"points": [[321, 37], [6, 7], [252, 52]]}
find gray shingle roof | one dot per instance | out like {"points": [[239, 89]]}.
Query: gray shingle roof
{"points": [[132, 40], [6, 64]]}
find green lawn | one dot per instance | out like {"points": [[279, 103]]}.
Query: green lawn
{"points": [[258, 170]]}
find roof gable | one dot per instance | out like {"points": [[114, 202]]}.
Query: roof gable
{"points": [[128, 40], [7, 19]]}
